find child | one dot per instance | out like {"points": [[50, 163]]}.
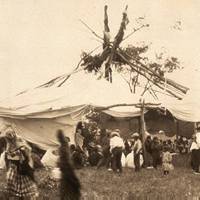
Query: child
{"points": [[167, 161]]}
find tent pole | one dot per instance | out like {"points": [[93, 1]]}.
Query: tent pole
{"points": [[142, 131], [195, 127], [177, 129], [139, 124]]}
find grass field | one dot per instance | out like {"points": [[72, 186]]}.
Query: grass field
{"points": [[149, 184]]}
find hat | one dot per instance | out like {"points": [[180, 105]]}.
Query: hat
{"points": [[135, 135], [161, 132], [114, 133], [98, 133]]}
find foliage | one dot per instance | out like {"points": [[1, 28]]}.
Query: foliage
{"points": [[131, 60], [133, 54]]}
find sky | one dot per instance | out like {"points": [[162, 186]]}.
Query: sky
{"points": [[40, 40]]}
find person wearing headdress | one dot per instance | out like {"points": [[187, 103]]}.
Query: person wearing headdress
{"points": [[116, 148], [20, 172], [137, 150]]}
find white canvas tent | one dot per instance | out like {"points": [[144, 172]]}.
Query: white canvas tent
{"points": [[39, 112]]}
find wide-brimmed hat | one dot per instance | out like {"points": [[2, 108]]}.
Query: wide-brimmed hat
{"points": [[161, 132], [135, 135], [114, 133]]}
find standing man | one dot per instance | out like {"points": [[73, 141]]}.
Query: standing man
{"points": [[196, 150], [105, 144], [148, 147], [156, 149], [137, 150], [116, 148]]}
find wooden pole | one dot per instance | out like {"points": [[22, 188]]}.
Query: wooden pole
{"points": [[177, 129], [142, 130], [195, 127]]}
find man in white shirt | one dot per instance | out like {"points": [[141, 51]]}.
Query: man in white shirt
{"points": [[195, 149], [116, 148], [137, 149]]}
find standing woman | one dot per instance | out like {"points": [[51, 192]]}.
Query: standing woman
{"points": [[20, 178]]}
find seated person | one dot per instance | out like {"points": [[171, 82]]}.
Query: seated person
{"points": [[94, 156], [76, 156]]}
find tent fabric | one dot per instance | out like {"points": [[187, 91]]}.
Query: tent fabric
{"points": [[85, 90], [187, 109], [40, 112], [118, 114], [42, 132], [49, 159]]}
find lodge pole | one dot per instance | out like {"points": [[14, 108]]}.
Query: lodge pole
{"points": [[195, 127], [142, 130], [177, 128]]}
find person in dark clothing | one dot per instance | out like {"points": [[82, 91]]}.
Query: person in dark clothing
{"points": [[155, 148], [94, 157], [148, 144], [105, 144], [127, 149], [170, 147], [116, 159], [180, 144], [76, 156]]}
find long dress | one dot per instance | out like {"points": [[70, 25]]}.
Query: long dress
{"points": [[20, 179], [167, 161]]}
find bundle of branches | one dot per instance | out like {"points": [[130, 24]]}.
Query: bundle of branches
{"points": [[130, 56], [94, 63]]}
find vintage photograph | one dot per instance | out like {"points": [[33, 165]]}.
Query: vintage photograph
{"points": [[99, 100]]}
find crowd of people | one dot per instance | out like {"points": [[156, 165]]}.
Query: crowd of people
{"points": [[95, 147], [103, 147]]}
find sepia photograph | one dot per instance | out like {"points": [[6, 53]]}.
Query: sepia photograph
{"points": [[99, 100]]}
